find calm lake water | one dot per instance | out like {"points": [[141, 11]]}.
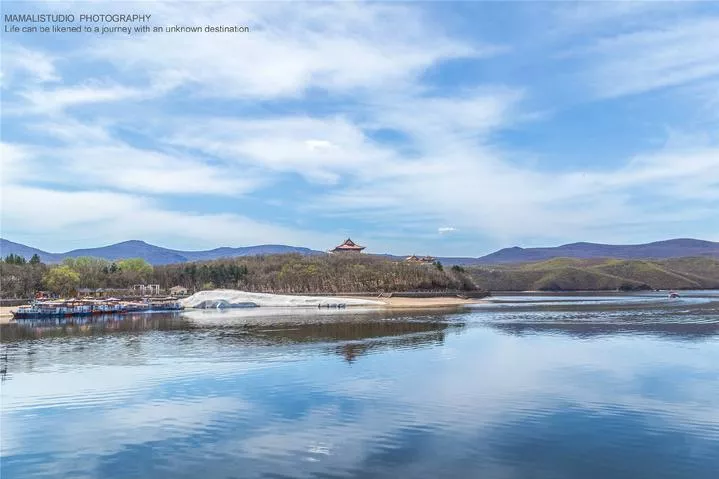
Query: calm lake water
{"points": [[522, 387]]}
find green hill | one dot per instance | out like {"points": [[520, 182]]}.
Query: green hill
{"points": [[599, 274], [705, 270], [655, 275]]}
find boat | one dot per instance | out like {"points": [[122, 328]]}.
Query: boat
{"points": [[53, 309], [39, 309], [673, 294], [164, 305], [108, 308]]}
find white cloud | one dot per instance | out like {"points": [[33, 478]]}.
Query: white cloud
{"points": [[21, 64], [589, 16], [281, 145], [434, 126], [13, 163], [484, 195], [107, 217], [338, 46], [89, 156], [71, 131], [149, 172], [55, 100], [314, 145], [653, 58], [467, 114]]}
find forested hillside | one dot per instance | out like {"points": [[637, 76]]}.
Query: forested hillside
{"points": [[288, 273], [295, 273]]}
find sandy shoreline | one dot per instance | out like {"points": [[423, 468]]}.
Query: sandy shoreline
{"points": [[5, 316], [423, 303]]}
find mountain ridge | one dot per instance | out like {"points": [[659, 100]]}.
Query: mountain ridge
{"points": [[157, 255], [153, 254], [664, 249]]}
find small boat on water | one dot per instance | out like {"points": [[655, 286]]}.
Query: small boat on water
{"points": [[83, 307], [164, 305], [54, 309], [673, 294]]}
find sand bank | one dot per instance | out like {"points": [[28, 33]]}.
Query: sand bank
{"points": [[5, 315], [424, 303], [229, 298]]}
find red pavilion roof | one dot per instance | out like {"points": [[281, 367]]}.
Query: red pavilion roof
{"points": [[348, 245]]}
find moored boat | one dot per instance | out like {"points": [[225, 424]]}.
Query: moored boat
{"points": [[165, 304], [72, 308], [53, 309]]}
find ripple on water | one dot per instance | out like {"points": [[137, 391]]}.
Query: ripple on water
{"points": [[556, 390]]}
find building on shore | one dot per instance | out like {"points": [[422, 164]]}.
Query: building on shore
{"points": [[147, 289], [178, 291], [420, 259], [102, 292], [348, 246]]}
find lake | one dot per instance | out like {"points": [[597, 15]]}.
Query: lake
{"points": [[524, 386]]}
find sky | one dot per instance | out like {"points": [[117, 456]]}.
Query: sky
{"points": [[412, 127]]}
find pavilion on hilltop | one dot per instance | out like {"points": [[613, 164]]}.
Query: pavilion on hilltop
{"points": [[348, 246]]}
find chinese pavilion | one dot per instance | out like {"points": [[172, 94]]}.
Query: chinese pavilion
{"points": [[348, 246]]}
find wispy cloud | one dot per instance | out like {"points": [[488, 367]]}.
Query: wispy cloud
{"points": [[25, 65], [512, 202], [338, 47], [102, 216], [286, 144], [53, 100], [379, 118], [650, 59], [89, 156]]}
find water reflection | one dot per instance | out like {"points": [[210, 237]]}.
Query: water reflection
{"points": [[90, 326], [361, 338], [387, 396], [123, 339], [693, 320], [584, 330]]}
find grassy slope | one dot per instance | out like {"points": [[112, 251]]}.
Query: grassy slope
{"points": [[653, 274], [703, 269], [600, 274]]}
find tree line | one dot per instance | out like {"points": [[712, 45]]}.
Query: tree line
{"points": [[20, 278], [294, 273], [287, 273]]}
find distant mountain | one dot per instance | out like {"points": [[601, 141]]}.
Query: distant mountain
{"points": [[8, 247], [674, 248], [131, 249], [155, 255], [258, 250]]}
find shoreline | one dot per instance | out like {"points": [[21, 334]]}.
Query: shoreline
{"points": [[407, 302], [393, 303], [5, 315], [423, 303]]}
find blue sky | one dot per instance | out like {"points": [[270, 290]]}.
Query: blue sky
{"points": [[429, 128]]}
